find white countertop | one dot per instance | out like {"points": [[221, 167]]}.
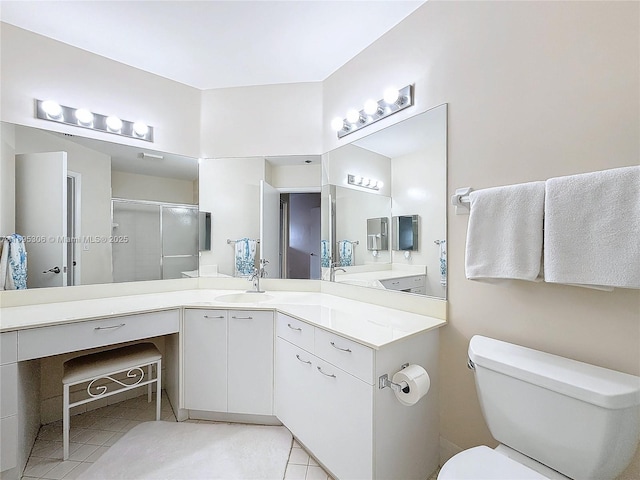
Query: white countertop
{"points": [[372, 325]]}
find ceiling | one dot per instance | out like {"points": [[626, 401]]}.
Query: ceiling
{"points": [[217, 44]]}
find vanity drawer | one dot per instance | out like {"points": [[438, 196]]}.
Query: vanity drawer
{"points": [[295, 331], [8, 347], [346, 354], [71, 337]]}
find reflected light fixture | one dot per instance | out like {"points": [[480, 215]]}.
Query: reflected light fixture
{"points": [[365, 182], [81, 117], [392, 102]]}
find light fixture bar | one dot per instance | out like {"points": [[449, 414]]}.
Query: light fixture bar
{"points": [[79, 117], [384, 109], [364, 182]]}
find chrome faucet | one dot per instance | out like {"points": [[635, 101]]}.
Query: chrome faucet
{"points": [[256, 275], [333, 270]]}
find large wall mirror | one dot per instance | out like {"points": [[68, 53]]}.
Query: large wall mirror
{"points": [[97, 212], [390, 185]]}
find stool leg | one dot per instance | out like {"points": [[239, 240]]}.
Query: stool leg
{"points": [[150, 386], [158, 388], [65, 423]]}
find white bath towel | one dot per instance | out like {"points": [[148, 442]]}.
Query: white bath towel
{"points": [[592, 229], [504, 237]]}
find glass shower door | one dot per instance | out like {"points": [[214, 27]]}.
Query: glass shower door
{"points": [[179, 241]]}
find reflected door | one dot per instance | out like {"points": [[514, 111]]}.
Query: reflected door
{"points": [[41, 216], [270, 228]]}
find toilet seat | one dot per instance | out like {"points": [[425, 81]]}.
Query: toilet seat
{"points": [[485, 463]]}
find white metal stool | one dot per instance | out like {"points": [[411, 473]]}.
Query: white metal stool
{"points": [[102, 366]]}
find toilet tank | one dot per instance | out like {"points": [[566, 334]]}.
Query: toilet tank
{"points": [[579, 419]]}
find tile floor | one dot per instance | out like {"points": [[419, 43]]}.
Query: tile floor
{"points": [[93, 432]]}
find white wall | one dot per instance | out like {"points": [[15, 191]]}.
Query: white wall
{"points": [[230, 190], [95, 191], [354, 160], [535, 90], [134, 186], [7, 179], [265, 120], [34, 66], [303, 177]]}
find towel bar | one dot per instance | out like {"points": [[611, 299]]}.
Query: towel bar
{"points": [[460, 200]]}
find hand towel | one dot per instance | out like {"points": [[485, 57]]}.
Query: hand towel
{"points": [[345, 250], [245, 253], [325, 254], [13, 263], [592, 229], [504, 236], [443, 262]]}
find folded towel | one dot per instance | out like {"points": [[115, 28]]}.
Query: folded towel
{"points": [[345, 250], [325, 254], [504, 237], [245, 253], [13, 263], [592, 227]]}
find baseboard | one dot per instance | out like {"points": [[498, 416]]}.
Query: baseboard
{"points": [[447, 450], [234, 417]]}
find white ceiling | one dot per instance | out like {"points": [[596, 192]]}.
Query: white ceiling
{"points": [[217, 44]]}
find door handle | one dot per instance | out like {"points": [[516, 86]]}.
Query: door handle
{"points": [[53, 270]]}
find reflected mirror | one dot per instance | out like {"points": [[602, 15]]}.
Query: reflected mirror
{"points": [[400, 174], [100, 212]]}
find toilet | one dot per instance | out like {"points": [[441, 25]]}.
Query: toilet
{"points": [[555, 418]]}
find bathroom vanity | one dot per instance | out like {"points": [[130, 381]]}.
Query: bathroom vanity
{"points": [[309, 360]]}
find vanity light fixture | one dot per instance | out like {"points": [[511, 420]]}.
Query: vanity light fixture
{"points": [[81, 117], [392, 102], [364, 182]]}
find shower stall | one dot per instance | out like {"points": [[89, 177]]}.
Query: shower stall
{"points": [[153, 240]]}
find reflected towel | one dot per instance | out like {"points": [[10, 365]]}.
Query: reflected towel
{"points": [[13, 263], [504, 237], [325, 253], [345, 250], [591, 229], [245, 253], [443, 262]]}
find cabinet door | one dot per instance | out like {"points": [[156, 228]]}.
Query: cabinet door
{"points": [[294, 395], [250, 367], [205, 360], [344, 425]]}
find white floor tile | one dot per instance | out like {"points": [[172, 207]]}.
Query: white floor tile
{"points": [[298, 457], [38, 467], [295, 472], [316, 473], [97, 454], [100, 437], [75, 473], [60, 470], [82, 453]]}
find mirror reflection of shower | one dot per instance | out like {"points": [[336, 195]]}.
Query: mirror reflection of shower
{"points": [[156, 241]]}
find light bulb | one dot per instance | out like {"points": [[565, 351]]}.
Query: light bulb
{"points": [[370, 107], [140, 129], [379, 184], [337, 124], [52, 109], [358, 180], [114, 123], [391, 95], [353, 116], [84, 116]]}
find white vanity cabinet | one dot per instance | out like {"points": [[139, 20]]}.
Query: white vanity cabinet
{"points": [[327, 394], [228, 361], [8, 400]]}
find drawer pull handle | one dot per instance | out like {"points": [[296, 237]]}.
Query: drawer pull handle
{"points": [[395, 283], [303, 361], [110, 327], [326, 374], [242, 318], [294, 328], [219, 316], [348, 350]]}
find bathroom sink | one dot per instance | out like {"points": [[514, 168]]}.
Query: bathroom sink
{"points": [[247, 297]]}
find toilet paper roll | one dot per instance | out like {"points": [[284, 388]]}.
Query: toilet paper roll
{"points": [[417, 383]]}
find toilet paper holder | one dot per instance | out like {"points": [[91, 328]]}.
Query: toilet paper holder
{"points": [[384, 382]]}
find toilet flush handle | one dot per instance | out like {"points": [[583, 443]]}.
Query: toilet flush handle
{"points": [[470, 364]]}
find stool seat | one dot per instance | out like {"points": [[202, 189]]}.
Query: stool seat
{"points": [[109, 361]]}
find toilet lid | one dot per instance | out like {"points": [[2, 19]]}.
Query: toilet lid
{"points": [[485, 463]]}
